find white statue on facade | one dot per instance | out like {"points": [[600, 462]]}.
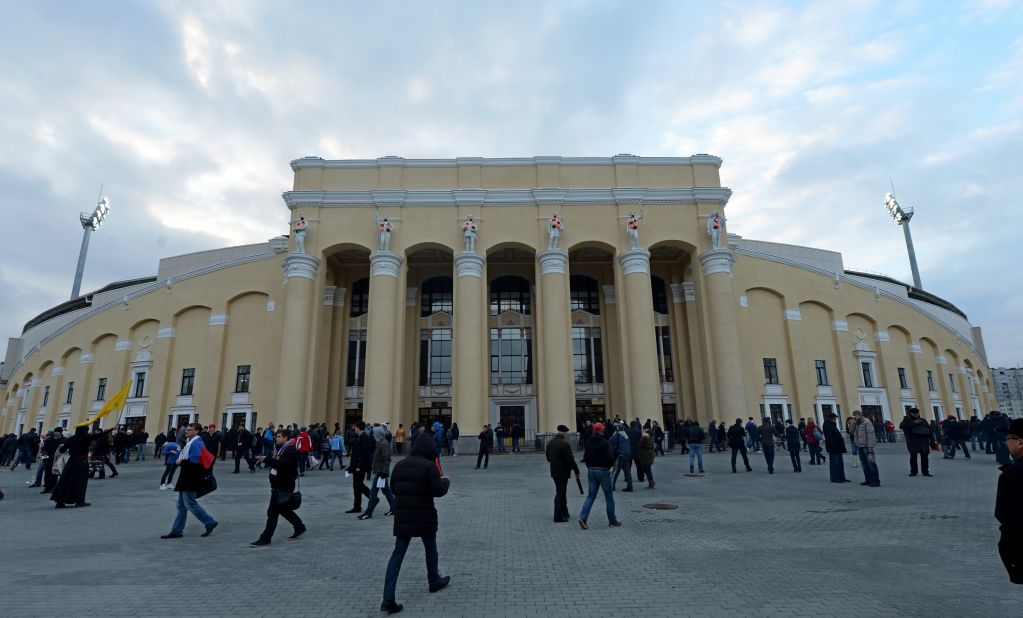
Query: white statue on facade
{"points": [[554, 227], [469, 231], [300, 226], [715, 224], [384, 229], [632, 228]]}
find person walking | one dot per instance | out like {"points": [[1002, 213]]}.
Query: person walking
{"points": [[381, 468], [765, 435], [453, 439], [647, 454], [562, 464], [283, 475], [794, 445], [170, 453], [598, 459], [712, 432], [101, 453], [399, 439], [658, 435], [954, 433], [866, 440], [242, 448], [621, 446], [486, 438], [752, 437], [1009, 505], [49, 454], [834, 444], [918, 441], [737, 442], [337, 449], [802, 433], [28, 443], [516, 437], [812, 438], [695, 440], [196, 463], [499, 438], [439, 437], [635, 433], [304, 446], [416, 481], [74, 477], [360, 464]]}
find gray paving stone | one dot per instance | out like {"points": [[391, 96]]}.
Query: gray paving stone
{"points": [[745, 544]]}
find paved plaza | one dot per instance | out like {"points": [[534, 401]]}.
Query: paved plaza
{"points": [[745, 544]]}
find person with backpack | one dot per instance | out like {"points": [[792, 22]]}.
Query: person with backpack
{"points": [[813, 437], [325, 451], [304, 446], [170, 453]]}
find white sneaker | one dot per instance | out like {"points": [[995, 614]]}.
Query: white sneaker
{"points": [[163, 487]]}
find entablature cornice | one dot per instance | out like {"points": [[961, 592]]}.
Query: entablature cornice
{"points": [[374, 198], [318, 162]]}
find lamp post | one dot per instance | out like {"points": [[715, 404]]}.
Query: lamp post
{"points": [[901, 216], [90, 223]]}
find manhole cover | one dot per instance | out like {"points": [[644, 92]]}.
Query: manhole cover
{"points": [[660, 506]]}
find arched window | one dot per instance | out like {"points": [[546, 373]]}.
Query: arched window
{"points": [[660, 293], [584, 294], [509, 293], [437, 296], [360, 298]]}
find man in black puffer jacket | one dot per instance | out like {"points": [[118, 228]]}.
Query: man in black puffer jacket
{"points": [[415, 481]]}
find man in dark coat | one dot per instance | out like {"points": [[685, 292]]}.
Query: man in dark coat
{"points": [[192, 479], [562, 462], [283, 474], [415, 481], [635, 433], [737, 442], [486, 438], [918, 441], [101, 453], [792, 444], [599, 458], [361, 464], [834, 444], [1009, 504], [765, 433], [242, 448]]}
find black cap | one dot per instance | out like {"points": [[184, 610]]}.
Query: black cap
{"points": [[831, 415], [1015, 428], [562, 429]]}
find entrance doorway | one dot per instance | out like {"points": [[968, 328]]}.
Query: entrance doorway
{"points": [[588, 412], [512, 415], [777, 412], [438, 412], [352, 416], [135, 423], [231, 420], [874, 413]]}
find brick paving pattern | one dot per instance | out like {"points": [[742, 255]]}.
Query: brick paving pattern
{"points": [[745, 544]]}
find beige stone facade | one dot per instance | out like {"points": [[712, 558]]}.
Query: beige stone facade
{"points": [[523, 328]]}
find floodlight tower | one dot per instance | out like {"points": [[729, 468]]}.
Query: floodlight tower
{"points": [[90, 223], [901, 216]]}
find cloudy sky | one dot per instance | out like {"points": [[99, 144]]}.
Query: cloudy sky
{"points": [[189, 113]]}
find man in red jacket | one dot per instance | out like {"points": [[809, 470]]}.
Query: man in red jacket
{"points": [[304, 446]]}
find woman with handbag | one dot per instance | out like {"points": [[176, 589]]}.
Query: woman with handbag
{"points": [[284, 499]]}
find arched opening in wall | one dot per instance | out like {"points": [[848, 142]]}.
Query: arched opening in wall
{"points": [[596, 358], [512, 403], [347, 294], [431, 290]]}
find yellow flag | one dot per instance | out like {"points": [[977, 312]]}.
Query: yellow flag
{"points": [[115, 403]]}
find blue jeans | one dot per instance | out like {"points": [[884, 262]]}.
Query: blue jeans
{"points": [[142, 452], [401, 544], [500, 445], [599, 478], [336, 456], [515, 445], [815, 454], [870, 473], [696, 450], [186, 503], [837, 468], [659, 447], [852, 443], [374, 494], [25, 457]]}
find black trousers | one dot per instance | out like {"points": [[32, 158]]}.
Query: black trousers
{"points": [[1010, 550], [921, 447], [359, 487], [484, 456], [745, 456], [561, 500], [103, 468], [797, 465], [273, 512], [639, 471], [239, 454]]}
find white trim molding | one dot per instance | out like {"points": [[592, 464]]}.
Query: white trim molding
{"points": [[384, 264], [57, 371], [315, 162], [553, 262], [469, 264], [717, 261], [609, 295], [840, 326], [793, 314], [635, 261], [300, 265], [166, 332], [86, 358], [122, 345], [882, 336], [218, 319], [914, 348]]}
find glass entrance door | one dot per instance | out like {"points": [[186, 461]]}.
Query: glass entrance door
{"points": [[588, 412]]}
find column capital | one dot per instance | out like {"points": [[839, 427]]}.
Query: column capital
{"points": [[553, 261], [300, 265], [634, 261], [469, 264], [717, 261], [384, 263]]}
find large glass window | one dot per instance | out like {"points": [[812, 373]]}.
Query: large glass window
{"points": [[437, 296], [360, 298], [822, 372], [952, 382], [241, 379], [663, 335], [771, 371], [510, 356], [101, 389], [584, 294], [187, 381], [435, 357], [868, 374], [930, 381], [356, 372], [587, 357], [70, 392], [903, 383], [660, 294], [509, 293], [140, 384], [46, 396]]}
